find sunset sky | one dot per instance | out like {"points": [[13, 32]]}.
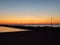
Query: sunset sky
{"points": [[29, 12]]}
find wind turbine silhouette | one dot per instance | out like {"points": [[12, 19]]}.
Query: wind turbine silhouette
{"points": [[51, 21]]}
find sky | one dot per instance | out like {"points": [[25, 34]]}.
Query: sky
{"points": [[29, 12]]}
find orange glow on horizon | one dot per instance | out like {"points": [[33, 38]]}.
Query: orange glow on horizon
{"points": [[25, 12], [28, 22]]}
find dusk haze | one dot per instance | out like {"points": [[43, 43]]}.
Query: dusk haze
{"points": [[29, 12], [29, 22]]}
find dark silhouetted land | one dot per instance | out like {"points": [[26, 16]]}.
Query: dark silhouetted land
{"points": [[38, 36], [38, 28]]}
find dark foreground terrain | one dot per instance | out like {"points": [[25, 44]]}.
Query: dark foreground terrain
{"points": [[38, 36], [30, 38]]}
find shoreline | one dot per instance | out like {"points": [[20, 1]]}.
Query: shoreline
{"points": [[38, 28]]}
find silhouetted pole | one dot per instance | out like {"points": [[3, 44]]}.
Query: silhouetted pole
{"points": [[51, 21]]}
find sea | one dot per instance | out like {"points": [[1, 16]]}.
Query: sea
{"points": [[41, 25]]}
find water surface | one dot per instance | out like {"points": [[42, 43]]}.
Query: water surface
{"points": [[45, 25], [7, 29]]}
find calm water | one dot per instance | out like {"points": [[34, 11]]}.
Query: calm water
{"points": [[7, 29], [43, 25]]}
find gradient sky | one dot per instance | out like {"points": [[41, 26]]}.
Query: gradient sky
{"points": [[29, 12]]}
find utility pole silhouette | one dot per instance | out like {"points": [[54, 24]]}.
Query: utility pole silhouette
{"points": [[51, 21]]}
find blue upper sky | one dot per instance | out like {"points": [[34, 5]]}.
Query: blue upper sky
{"points": [[29, 6]]}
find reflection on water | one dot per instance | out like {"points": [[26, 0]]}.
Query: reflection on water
{"points": [[44, 25], [7, 29]]}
